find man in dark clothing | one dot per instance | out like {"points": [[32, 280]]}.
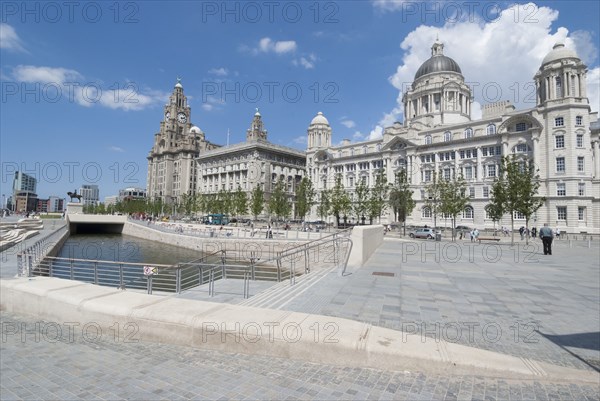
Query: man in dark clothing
{"points": [[547, 235]]}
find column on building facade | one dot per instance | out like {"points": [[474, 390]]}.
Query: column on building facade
{"points": [[479, 167], [596, 155], [535, 151]]}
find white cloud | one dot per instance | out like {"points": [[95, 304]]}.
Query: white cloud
{"points": [[207, 106], [213, 103], [593, 88], [307, 62], [300, 140], [74, 87], [358, 136], [116, 149], [9, 39], [348, 123], [45, 75], [221, 72], [267, 45], [501, 57], [376, 133], [388, 5]]}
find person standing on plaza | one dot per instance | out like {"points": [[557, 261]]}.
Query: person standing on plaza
{"points": [[547, 235], [533, 232], [557, 233]]}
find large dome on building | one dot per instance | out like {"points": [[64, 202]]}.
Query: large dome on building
{"points": [[319, 119], [437, 62], [559, 51]]}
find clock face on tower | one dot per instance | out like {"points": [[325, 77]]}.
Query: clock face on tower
{"points": [[182, 118]]}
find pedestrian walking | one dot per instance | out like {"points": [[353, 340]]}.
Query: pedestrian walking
{"points": [[533, 232], [546, 235]]}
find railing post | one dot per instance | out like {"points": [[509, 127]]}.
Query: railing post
{"points": [[149, 285], [223, 271], [200, 276], [211, 282], [121, 284], [246, 284], [292, 272], [95, 272], [71, 273], [306, 265], [20, 264], [30, 266], [178, 280], [279, 267]]}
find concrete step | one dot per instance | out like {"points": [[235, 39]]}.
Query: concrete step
{"points": [[281, 294]]}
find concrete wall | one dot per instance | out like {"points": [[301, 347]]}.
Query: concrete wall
{"points": [[95, 223], [237, 248], [365, 240]]}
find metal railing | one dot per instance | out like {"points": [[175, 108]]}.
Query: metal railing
{"points": [[30, 258], [333, 249]]}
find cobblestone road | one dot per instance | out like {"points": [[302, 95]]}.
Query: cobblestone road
{"points": [[78, 367]]}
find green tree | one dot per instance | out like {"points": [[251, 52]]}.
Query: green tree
{"points": [[240, 202], [279, 204], [495, 207], [453, 199], [401, 199], [324, 204], [257, 201], [378, 197], [340, 201], [433, 197], [305, 198], [360, 206], [189, 204]]}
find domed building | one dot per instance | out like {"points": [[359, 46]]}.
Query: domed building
{"points": [[439, 138]]}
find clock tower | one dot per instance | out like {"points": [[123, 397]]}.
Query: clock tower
{"points": [[171, 166]]}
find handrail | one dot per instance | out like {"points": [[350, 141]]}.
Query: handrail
{"points": [[109, 262]]}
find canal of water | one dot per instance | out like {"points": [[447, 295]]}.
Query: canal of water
{"points": [[124, 248]]}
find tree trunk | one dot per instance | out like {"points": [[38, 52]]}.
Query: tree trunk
{"points": [[512, 228], [526, 228]]}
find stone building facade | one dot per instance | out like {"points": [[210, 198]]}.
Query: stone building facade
{"points": [[439, 136], [171, 167], [248, 164]]}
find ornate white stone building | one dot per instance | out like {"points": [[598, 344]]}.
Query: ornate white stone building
{"points": [[171, 166], [248, 164], [438, 135]]}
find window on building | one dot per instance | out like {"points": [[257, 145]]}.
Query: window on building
{"points": [[561, 212], [468, 133], [581, 213], [447, 174], [559, 141], [427, 176], [468, 172], [581, 188], [559, 122], [486, 192], [559, 91], [519, 216], [520, 127], [521, 148], [579, 121], [491, 170], [428, 140], [471, 192], [580, 164], [490, 129], [561, 189], [426, 213], [447, 136], [468, 212], [580, 140], [560, 164]]}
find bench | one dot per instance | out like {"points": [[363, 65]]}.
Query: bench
{"points": [[488, 239]]}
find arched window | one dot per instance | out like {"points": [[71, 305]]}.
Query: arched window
{"points": [[491, 129], [428, 140], [379, 147], [426, 213], [468, 133], [447, 136], [468, 212]]}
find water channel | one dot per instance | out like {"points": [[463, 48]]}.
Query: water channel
{"points": [[124, 248]]}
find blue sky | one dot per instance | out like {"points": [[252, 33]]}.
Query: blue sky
{"points": [[83, 86]]}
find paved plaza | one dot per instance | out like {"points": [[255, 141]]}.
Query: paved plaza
{"points": [[512, 300]]}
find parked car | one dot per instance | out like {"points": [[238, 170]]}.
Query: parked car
{"points": [[426, 233]]}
